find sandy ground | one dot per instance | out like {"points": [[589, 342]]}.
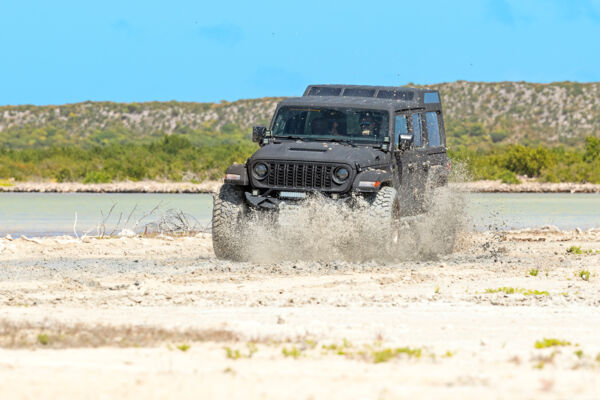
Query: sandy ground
{"points": [[162, 318]]}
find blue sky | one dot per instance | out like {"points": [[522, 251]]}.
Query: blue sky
{"points": [[69, 51]]}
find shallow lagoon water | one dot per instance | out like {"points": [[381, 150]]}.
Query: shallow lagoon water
{"points": [[49, 214]]}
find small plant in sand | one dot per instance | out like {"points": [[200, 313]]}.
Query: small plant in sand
{"points": [[235, 354], [43, 339], [512, 290], [534, 272], [578, 353], [448, 354], [385, 355], [551, 342], [293, 352], [575, 250], [584, 274], [339, 349], [184, 347], [437, 290]]}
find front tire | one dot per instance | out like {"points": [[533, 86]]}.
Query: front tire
{"points": [[228, 223], [383, 217]]}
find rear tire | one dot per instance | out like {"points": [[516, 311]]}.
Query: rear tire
{"points": [[228, 223]]}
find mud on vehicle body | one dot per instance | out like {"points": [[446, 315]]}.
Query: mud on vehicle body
{"points": [[385, 146]]}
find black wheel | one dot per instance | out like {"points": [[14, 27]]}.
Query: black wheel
{"points": [[228, 221], [383, 216]]}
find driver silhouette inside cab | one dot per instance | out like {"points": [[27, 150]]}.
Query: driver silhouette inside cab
{"points": [[368, 125]]}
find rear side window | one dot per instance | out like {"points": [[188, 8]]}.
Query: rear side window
{"points": [[395, 94], [417, 130], [431, 97], [401, 127], [324, 91], [433, 129], [358, 92]]}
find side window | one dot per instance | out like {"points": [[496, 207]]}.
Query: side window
{"points": [[401, 128], [417, 130], [433, 129]]}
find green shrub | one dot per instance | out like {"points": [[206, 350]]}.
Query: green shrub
{"points": [[509, 177], [96, 177]]}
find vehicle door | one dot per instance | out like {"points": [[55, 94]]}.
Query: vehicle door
{"points": [[435, 161], [410, 160]]}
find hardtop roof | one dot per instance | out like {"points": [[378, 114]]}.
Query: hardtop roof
{"points": [[371, 97]]}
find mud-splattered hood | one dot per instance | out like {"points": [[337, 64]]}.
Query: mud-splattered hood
{"points": [[361, 156]]}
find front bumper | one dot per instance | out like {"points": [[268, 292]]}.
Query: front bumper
{"points": [[267, 202]]}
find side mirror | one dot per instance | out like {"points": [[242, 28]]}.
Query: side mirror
{"points": [[259, 133], [404, 141]]}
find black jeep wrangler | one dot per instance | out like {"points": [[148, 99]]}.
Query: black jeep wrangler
{"points": [[386, 145]]}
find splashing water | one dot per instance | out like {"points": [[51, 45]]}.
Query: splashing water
{"points": [[319, 229]]}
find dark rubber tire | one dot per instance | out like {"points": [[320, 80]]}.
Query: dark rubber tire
{"points": [[383, 217], [228, 220]]}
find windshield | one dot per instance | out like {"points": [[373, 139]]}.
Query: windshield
{"points": [[312, 123]]}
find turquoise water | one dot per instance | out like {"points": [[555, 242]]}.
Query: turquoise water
{"points": [[49, 214], [522, 210], [44, 214]]}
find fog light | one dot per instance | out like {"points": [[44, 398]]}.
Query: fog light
{"points": [[255, 192], [233, 177], [335, 196]]}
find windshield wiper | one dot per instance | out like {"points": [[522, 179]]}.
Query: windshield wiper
{"points": [[291, 137]]}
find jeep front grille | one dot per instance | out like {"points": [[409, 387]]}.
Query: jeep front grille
{"points": [[299, 175]]}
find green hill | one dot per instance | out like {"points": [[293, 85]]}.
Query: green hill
{"points": [[488, 125], [475, 112]]}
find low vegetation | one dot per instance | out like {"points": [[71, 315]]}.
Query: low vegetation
{"points": [[512, 290], [293, 352], [178, 158], [579, 250], [235, 354], [551, 342], [534, 272], [575, 250], [172, 158], [183, 347], [584, 274], [546, 164], [387, 354]]}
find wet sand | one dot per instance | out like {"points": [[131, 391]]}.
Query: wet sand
{"points": [[113, 318]]}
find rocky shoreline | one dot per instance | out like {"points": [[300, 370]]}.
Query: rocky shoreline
{"points": [[528, 186], [116, 187]]}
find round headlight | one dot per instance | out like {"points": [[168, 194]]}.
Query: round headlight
{"points": [[260, 170], [341, 174]]}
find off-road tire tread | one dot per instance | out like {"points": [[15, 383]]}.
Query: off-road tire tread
{"points": [[383, 203], [227, 236]]}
